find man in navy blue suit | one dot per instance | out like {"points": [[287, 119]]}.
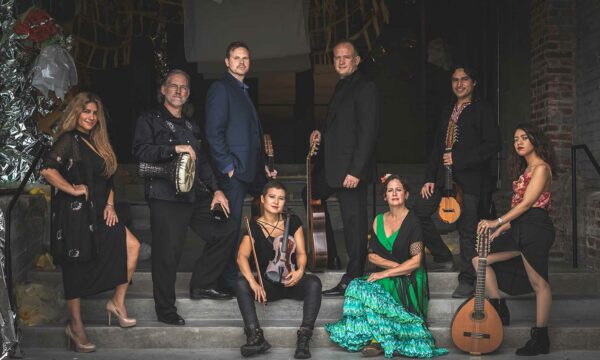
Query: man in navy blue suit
{"points": [[235, 136]]}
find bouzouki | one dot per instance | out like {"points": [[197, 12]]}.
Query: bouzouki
{"points": [[476, 327], [316, 236], [270, 153], [450, 204]]}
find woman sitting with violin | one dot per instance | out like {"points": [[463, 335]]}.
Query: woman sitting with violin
{"points": [[385, 312], [281, 266]]}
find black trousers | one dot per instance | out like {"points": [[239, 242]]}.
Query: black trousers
{"points": [[353, 206], [169, 221], [307, 289], [467, 231]]}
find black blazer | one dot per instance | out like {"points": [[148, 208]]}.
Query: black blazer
{"points": [[233, 129], [478, 141], [350, 132]]}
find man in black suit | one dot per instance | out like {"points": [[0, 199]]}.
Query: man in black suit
{"points": [[346, 158], [477, 143]]}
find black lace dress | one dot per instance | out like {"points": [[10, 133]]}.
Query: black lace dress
{"points": [[93, 255]]}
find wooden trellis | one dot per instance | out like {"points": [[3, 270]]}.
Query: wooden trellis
{"points": [[332, 20]]}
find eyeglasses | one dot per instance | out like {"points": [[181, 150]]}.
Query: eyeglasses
{"points": [[175, 87]]}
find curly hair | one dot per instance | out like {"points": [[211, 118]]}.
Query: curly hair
{"points": [[388, 178], [98, 134], [541, 146]]}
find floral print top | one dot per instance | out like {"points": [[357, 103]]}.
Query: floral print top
{"points": [[520, 185]]}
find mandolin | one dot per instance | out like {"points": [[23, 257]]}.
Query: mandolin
{"points": [[476, 327], [256, 206], [269, 152], [450, 204], [315, 216]]}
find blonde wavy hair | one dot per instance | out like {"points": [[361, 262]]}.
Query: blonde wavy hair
{"points": [[98, 134]]}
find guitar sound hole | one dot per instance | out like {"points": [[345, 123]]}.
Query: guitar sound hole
{"points": [[477, 316]]}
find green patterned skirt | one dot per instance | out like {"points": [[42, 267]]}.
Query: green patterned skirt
{"points": [[371, 313]]}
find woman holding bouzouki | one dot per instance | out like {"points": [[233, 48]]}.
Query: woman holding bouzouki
{"points": [[275, 255], [518, 262]]}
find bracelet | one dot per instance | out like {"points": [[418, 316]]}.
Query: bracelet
{"points": [[109, 204], [500, 221]]}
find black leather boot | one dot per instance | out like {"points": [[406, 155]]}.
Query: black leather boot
{"points": [[302, 344], [538, 344], [255, 342], [502, 310]]}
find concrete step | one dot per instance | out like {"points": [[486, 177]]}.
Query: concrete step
{"points": [[563, 283], [583, 309], [332, 353], [210, 334]]}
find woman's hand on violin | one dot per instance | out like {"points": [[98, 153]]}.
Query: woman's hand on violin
{"points": [[486, 225], [259, 292], [79, 190], [377, 276], [293, 278], [110, 216]]}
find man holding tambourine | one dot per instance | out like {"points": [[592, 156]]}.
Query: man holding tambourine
{"points": [[182, 191]]}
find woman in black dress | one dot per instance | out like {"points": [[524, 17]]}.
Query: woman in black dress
{"points": [[297, 285], [96, 251], [518, 262]]}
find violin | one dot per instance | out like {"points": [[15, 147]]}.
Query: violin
{"points": [[285, 247]]}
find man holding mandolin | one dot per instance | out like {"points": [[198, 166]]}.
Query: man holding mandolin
{"points": [[466, 140]]}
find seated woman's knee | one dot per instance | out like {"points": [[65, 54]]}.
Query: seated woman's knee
{"points": [[241, 286], [312, 284]]}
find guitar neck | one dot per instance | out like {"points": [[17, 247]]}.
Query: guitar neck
{"points": [[480, 285], [271, 162]]}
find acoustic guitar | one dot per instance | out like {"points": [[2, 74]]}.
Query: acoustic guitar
{"points": [[450, 204], [316, 236], [476, 327]]}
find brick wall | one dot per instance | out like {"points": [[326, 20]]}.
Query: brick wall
{"points": [[553, 109]]}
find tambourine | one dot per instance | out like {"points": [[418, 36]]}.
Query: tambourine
{"points": [[181, 172]]}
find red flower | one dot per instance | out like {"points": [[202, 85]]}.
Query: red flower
{"points": [[37, 24]]}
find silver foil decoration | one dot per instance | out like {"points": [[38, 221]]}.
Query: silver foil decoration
{"points": [[7, 315], [19, 101]]}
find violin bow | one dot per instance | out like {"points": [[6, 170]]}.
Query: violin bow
{"points": [[260, 282]]}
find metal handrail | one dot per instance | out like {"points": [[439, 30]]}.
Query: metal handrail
{"points": [[574, 149], [8, 256]]}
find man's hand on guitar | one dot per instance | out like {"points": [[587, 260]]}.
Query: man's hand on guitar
{"points": [[427, 190], [186, 149], [448, 159], [350, 182], [270, 174], [315, 136]]}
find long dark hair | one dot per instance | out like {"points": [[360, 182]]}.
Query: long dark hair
{"points": [[541, 146], [473, 74]]}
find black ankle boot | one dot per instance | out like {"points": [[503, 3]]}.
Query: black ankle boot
{"points": [[255, 342], [538, 344], [502, 310], [302, 344]]}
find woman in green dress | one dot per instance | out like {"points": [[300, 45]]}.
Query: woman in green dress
{"points": [[386, 311]]}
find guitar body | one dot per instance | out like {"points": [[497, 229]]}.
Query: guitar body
{"points": [[449, 209], [316, 237], [476, 327], [477, 333]]}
